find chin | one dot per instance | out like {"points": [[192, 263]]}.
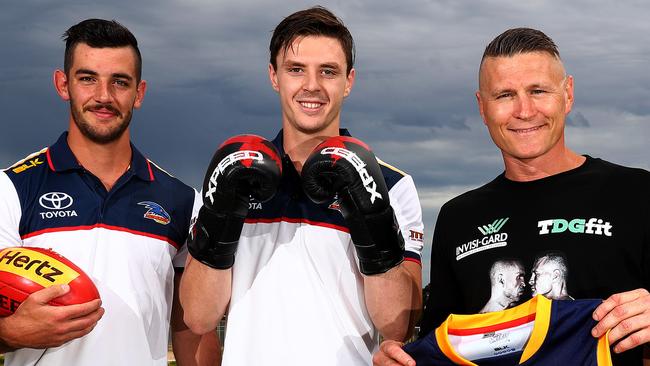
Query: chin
{"points": [[311, 128]]}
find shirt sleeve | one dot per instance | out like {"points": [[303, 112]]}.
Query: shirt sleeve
{"points": [[179, 258], [10, 213], [444, 296], [408, 212]]}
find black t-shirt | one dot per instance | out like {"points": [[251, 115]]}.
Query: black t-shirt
{"points": [[581, 234]]}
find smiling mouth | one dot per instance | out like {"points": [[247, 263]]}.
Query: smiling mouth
{"points": [[526, 130], [104, 113], [311, 105]]}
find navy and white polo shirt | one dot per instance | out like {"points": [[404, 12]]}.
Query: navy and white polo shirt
{"points": [[297, 293], [128, 240]]}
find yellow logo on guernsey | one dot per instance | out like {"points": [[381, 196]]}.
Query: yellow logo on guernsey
{"points": [[36, 266], [25, 166]]}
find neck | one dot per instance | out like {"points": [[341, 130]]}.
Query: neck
{"points": [[551, 163], [108, 162], [299, 145]]}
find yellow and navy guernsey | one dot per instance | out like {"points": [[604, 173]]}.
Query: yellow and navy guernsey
{"points": [[128, 240], [297, 293], [539, 332]]}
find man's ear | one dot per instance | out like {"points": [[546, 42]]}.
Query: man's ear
{"points": [[349, 83], [273, 76], [139, 96], [60, 80], [557, 274]]}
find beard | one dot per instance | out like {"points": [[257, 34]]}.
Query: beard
{"points": [[104, 134]]}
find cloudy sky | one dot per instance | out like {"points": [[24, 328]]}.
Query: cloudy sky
{"points": [[206, 65]]}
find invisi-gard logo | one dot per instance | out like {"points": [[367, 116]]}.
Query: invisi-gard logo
{"points": [[40, 268], [492, 238], [593, 226], [494, 227]]}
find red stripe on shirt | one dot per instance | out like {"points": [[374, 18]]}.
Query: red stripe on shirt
{"points": [[298, 221], [493, 328], [150, 171], [49, 160], [103, 226], [413, 260]]}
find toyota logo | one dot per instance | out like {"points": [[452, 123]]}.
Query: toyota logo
{"points": [[55, 200]]}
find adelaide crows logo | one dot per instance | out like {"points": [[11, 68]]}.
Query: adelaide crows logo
{"points": [[156, 213]]}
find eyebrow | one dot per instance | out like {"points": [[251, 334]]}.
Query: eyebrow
{"points": [[117, 75], [531, 86], [330, 65]]}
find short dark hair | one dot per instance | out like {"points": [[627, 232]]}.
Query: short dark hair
{"points": [[316, 21], [520, 40], [100, 33]]}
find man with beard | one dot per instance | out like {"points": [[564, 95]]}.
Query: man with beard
{"points": [[94, 198], [507, 285]]}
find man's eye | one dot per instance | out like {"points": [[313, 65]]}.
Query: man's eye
{"points": [[86, 79], [328, 72], [295, 69], [122, 83], [504, 95], [538, 91]]}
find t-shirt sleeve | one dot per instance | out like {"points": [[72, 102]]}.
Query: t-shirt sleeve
{"points": [[406, 205], [179, 258], [444, 296], [646, 239], [10, 213]]}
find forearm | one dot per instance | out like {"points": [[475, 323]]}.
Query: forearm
{"points": [[394, 300], [192, 349], [204, 295], [4, 346]]}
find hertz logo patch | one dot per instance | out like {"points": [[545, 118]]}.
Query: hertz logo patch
{"points": [[36, 266]]}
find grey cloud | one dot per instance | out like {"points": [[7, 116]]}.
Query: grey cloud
{"points": [[413, 102], [577, 119]]}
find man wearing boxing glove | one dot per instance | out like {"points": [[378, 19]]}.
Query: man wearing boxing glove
{"points": [[311, 282]]}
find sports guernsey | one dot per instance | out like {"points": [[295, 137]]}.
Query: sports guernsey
{"points": [[583, 233], [297, 292], [540, 332], [128, 240]]}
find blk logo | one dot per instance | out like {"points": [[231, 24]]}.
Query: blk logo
{"points": [[494, 227], [55, 201]]}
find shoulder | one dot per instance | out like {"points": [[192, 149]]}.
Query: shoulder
{"points": [[24, 176], [471, 198], [30, 165], [392, 175], [171, 192], [607, 167], [169, 182], [614, 176]]}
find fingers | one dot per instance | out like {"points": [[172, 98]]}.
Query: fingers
{"points": [[37, 324], [83, 324], [391, 354], [615, 308], [49, 293], [640, 335], [627, 317], [617, 299], [81, 310]]}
